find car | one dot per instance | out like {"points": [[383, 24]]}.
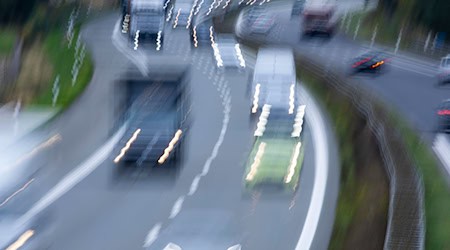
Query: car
{"points": [[444, 70], [318, 19], [372, 61], [227, 52], [276, 158], [443, 115], [262, 24]]}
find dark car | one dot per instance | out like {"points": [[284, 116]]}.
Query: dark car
{"points": [[373, 61], [443, 113]]}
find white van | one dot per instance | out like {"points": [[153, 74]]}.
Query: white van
{"points": [[274, 80]]}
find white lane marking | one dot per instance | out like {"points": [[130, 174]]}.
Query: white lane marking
{"points": [[176, 207], [441, 147], [152, 235], [74, 177], [194, 185], [17, 192], [137, 59], [318, 133]]}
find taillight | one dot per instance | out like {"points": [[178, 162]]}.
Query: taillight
{"points": [[444, 112]]}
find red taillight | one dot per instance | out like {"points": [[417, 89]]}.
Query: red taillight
{"points": [[444, 112], [361, 62]]}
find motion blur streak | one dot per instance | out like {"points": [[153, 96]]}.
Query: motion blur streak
{"points": [[21, 241], [298, 121], [127, 145], [158, 41], [198, 7], [169, 15], [195, 36], [169, 148], [166, 4], [136, 40], [256, 98], [291, 99], [211, 35], [54, 139], [256, 161], [293, 164], [176, 18], [226, 4], [217, 55], [239, 55], [191, 14], [17, 192], [261, 126]]}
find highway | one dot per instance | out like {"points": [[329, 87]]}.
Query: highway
{"points": [[93, 205]]}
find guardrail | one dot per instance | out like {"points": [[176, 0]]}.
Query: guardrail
{"points": [[406, 215]]}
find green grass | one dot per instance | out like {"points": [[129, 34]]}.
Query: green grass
{"points": [[7, 39], [437, 193], [63, 59]]}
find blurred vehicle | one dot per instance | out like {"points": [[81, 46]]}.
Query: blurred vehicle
{"points": [[262, 24], [158, 116], [181, 13], [200, 33], [147, 17], [443, 115], [319, 20], [372, 61], [274, 72], [227, 52], [277, 155], [444, 70], [297, 8]]}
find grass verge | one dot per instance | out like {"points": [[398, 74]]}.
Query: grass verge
{"points": [[362, 207], [62, 58], [437, 193], [7, 39]]}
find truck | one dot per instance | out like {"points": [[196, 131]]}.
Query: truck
{"points": [[319, 19], [156, 116], [274, 72], [145, 16]]}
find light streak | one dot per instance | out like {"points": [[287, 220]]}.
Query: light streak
{"points": [[199, 6], [211, 8], [293, 164], [298, 121], [169, 148], [127, 145], [261, 126], [16, 193], [256, 98], [158, 41], [256, 162], [54, 139], [239, 55], [166, 4], [218, 4], [291, 99], [176, 18], [195, 36], [136, 40], [169, 15], [190, 15], [226, 4], [21, 240]]}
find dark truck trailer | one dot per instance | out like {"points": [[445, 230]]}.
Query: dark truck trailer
{"points": [[157, 116]]}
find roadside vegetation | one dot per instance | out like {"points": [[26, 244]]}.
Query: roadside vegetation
{"points": [[48, 53], [7, 39], [361, 215], [437, 190]]}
